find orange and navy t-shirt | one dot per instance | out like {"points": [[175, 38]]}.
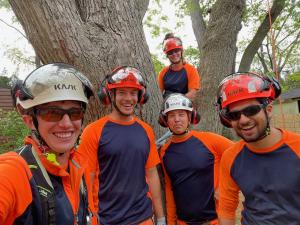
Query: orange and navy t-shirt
{"points": [[191, 166], [268, 178], [119, 154], [181, 81]]}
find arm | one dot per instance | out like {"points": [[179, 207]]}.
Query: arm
{"points": [[160, 79], [155, 190], [191, 94], [170, 202], [229, 190], [193, 82], [88, 148], [15, 188]]}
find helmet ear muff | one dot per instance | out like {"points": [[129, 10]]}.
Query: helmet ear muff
{"points": [[103, 93], [224, 120], [269, 82], [23, 93], [104, 96], [195, 117], [162, 119], [143, 96], [276, 86]]}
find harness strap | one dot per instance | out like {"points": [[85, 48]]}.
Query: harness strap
{"points": [[43, 184]]}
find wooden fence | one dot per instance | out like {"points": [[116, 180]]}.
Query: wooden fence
{"points": [[287, 121]]}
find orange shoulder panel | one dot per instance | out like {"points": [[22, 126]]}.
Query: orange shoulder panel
{"points": [[229, 191], [89, 148], [160, 78], [293, 141], [89, 140], [170, 202], [193, 76], [15, 190], [153, 158]]}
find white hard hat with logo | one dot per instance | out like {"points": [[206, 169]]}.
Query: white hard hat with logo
{"points": [[54, 82]]}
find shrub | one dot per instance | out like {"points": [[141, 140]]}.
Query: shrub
{"points": [[12, 131]]}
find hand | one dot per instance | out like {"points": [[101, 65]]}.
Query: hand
{"points": [[217, 194], [161, 221]]}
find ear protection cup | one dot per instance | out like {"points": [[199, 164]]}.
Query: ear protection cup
{"points": [[195, 117], [162, 120], [143, 96], [276, 86], [271, 82], [224, 121], [104, 95]]}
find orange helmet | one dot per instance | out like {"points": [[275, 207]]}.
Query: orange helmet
{"points": [[240, 86], [126, 77], [172, 43]]}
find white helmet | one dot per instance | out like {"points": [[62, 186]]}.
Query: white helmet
{"points": [[177, 101], [54, 82]]}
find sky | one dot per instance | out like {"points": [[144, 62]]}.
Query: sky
{"points": [[10, 38]]}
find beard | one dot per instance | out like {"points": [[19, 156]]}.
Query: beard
{"points": [[260, 134]]}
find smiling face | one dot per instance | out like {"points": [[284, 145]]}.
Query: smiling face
{"points": [[125, 100], [252, 127], [62, 135], [178, 121], [175, 55]]}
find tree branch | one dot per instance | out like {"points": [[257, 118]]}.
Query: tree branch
{"points": [[291, 48], [14, 28], [260, 35], [198, 23], [261, 58]]}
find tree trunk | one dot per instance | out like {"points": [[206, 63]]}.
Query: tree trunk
{"points": [[94, 36], [260, 35], [218, 57]]}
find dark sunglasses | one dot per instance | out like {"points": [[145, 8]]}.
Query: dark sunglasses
{"points": [[248, 111], [54, 114], [171, 52]]}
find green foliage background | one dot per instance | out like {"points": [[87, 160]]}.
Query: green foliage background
{"points": [[12, 127]]}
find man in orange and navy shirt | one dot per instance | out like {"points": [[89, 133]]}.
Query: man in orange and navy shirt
{"points": [[264, 165], [122, 155], [191, 161], [179, 76]]}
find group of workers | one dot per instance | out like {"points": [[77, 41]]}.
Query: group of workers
{"points": [[111, 177]]}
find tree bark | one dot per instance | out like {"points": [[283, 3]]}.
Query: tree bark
{"points": [[218, 57], [198, 23], [94, 36], [260, 35]]}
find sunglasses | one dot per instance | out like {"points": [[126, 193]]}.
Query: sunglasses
{"points": [[171, 52], [248, 111], [54, 114]]}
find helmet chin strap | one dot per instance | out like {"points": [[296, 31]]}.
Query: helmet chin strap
{"points": [[185, 132], [42, 143], [182, 133], [37, 134]]}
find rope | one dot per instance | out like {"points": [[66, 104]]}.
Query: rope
{"points": [[275, 70]]}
